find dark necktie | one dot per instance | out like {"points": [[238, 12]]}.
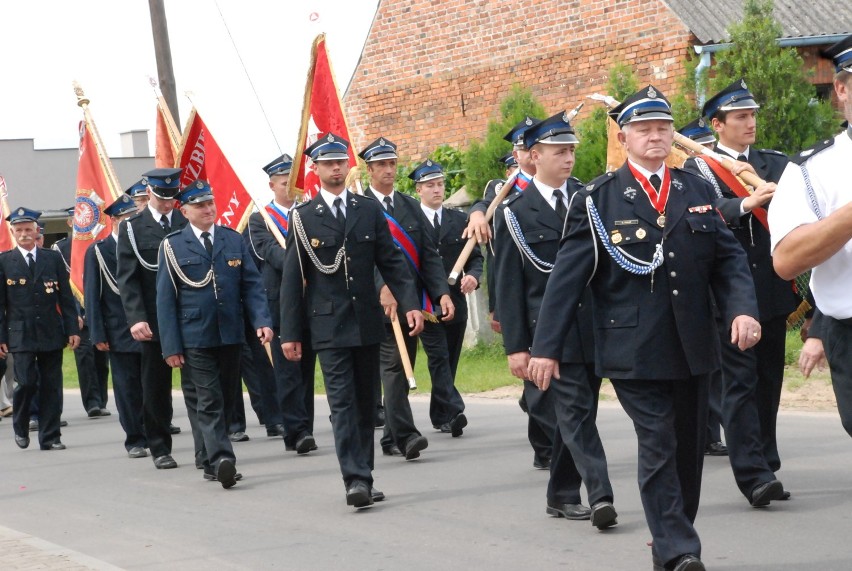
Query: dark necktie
{"points": [[437, 223], [655, 182], [561, 211], [208, 244], [742, 158], [388, 205], [31, 263], [338, 212], [164, 222]]}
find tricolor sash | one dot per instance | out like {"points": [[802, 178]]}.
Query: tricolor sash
{"points": [[279, 217], [404, 242], [522, 181], [736, 187]]}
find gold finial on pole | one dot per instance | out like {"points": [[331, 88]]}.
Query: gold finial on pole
{"points": [[82, 100]]}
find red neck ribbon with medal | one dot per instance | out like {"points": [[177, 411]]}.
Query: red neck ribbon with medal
{"points": [[658, 199]]}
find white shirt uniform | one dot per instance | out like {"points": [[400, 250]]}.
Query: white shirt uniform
{"points": [[791, 207]]}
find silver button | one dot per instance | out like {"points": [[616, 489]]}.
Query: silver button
{"points": [[671, 254], [612, 320], [674, 292], [673, 274]]}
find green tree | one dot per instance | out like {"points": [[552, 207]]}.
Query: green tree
{"points": [[481, 161], [591, 153], [790, 117]]}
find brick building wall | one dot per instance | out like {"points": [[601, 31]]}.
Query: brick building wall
{"points": [[435, 71]]}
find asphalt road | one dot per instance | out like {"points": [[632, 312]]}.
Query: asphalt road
{"points": [[473, 502]]}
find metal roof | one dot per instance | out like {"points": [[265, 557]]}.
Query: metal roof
{"points": [[709, 20]]}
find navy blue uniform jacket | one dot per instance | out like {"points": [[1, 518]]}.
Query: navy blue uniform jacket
{"points": [[664, 332], [205, 317], [37, 312], [105, 313]]}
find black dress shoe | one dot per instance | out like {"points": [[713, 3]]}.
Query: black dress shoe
{"points": [[212, 477], [568, 511], [238, 437], [94, 412], [63, 423], [105, 412], [22, 441], [358, 495], [716, 449], [56, 445], [305, 444], [541, 463], [414, 445], [380, 417], [445, 428], [603, 515], [165, 462], [377, 495], [766, 492], [276, 430], [227, 474], [785, 496], [33, 425], [174, 429], [391, 450], [137, 452], [457, 424], [688, 562]]}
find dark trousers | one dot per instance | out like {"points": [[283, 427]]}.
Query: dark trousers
{"points": [[541, 424], [39, 375], [156, 398], [770, 376], [837, 342], [259, 377], [350, 375], [206, 373], [92, 372], [670, 419], [127, 387], [741, 415], [399, 421], [714, 408], [445, 403], [295, 389], [578, 454]]}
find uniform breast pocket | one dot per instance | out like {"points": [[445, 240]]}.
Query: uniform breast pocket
{"points": [[702, 231], [537, 236], [365, 237], [327, 241], [234, 260]]}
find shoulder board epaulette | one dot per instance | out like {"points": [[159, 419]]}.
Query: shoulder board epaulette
{"points": [[65, 239], [303, 204], [599, 181], [772, 152], [134, 217], [174, 233], [687, 172], [512, 198], [811, 151], [226, 229]]}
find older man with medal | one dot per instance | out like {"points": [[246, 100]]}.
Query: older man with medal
{"points": [[649, 243]]}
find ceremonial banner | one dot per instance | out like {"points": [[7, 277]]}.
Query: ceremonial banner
{"points": [[201, 158], [7, 242], [94, 193], [165, 150], [322, 112]]}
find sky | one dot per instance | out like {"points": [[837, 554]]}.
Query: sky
{"points": [[107, 46]]}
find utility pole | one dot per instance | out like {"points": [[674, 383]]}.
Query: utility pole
{"points": [[163, 52]]}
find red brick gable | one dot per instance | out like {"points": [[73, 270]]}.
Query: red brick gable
{"points": [[435, 71]]}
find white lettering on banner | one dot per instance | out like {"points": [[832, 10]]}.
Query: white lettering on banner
{"points": [[196, 160], [233, 206]]}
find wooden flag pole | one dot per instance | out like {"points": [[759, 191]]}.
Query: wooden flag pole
{"points": [[112, 180]]}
